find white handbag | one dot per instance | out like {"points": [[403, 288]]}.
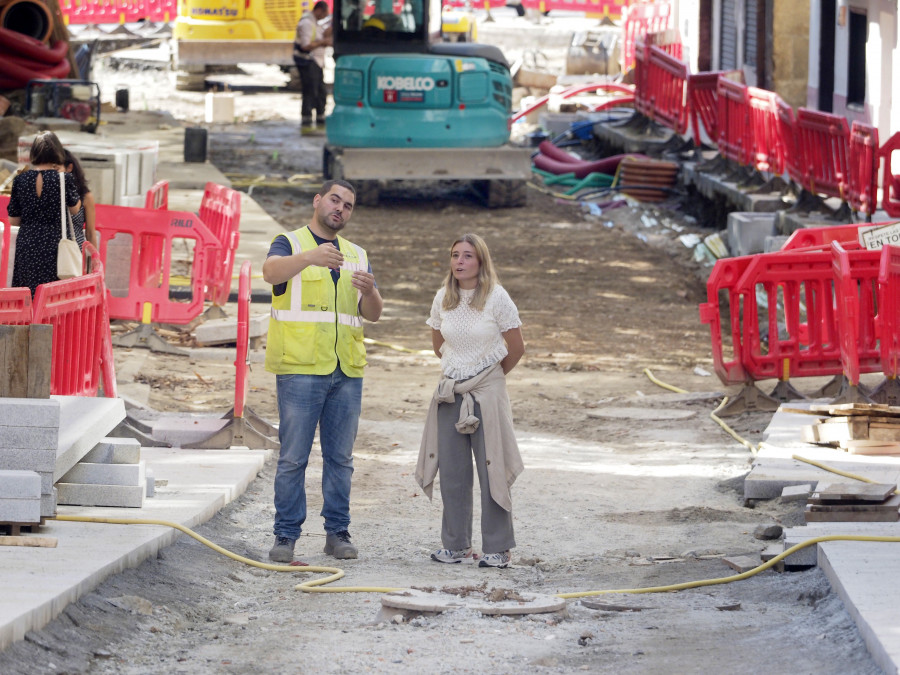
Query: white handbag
{"points": [[68, 255]]}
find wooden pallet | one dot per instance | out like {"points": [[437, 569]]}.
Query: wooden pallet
{"points": [[11, 534], [858, 428]]}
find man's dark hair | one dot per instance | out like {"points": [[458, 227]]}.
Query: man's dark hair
{"points": [[328, 184], [46, 149], [320, 5]]}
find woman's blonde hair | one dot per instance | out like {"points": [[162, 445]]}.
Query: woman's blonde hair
{"points": [[487, 277]]}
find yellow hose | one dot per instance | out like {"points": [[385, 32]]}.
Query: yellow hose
{"points": [[659, 383], [754, 449], [308, 586], [315, 585], [846, 474]]}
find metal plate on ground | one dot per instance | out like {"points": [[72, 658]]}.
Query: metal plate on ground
{"points": [[494, 602]]}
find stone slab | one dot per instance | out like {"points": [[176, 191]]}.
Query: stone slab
{"points": [[48, 504], [113, 450], [220, 331], [28, 437], [29, 412], [186, 429], [80, 494], [84, 422], [105, 474], [862, 588], [796, 493], [38, 584], [20, 485], [29, 459], [747, 232], [20, 510]]}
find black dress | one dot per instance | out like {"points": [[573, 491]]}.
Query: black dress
{"points": [[39, 229]]}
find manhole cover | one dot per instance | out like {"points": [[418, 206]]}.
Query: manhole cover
{"points": [[481, 601], [642, 413]]}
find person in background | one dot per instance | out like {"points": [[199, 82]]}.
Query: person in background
{"points": [[309, 56], [34, 207], [475, 330], [322, 289], [85, 221]]}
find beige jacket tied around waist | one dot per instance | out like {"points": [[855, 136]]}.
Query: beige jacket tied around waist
{"points": [[504, 463]]}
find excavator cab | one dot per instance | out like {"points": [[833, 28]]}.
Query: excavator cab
{"points": [[397, 85]]}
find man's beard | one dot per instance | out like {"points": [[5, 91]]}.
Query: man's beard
{"points": [[328, 224]]}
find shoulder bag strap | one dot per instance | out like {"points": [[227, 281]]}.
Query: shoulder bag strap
{"points": [[63, 211]]}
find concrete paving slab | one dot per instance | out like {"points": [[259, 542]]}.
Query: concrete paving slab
{"points": [[38, 583], [862, 573], [83, 422]]}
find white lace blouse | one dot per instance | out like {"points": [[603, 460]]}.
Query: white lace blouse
{"points": [[473, 340]]}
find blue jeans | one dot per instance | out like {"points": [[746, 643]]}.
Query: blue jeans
{"points": [[331, 402]]}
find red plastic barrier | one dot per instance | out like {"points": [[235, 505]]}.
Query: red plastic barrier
{"points": [[825, 142], [220, 211], [794, 159], [863, 168], [158, 196], [666, 80], [608, 8], [5, 243], [572, 91], [855, 288], [15, 306], [242, 357], [821, 237], [888, 319], [794, 347], [151, 233], [74, 307], [734, 140], [890, 183], [722, 295], [766, 148], [640, 20]]}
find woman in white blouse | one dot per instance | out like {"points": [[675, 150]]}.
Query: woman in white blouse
{"points": [[476, 333]]}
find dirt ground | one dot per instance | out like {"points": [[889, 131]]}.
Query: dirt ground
{"points": [[627, 485]]}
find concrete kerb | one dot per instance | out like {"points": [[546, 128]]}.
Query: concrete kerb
{"points": [[197, 485]]}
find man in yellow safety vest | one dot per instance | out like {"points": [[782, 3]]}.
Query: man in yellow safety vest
{"points": [[322, 288]]}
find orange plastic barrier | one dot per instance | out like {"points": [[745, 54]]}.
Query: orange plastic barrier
{"points": [[150, 235], [220, 211], [81, 336], [862, 179]]}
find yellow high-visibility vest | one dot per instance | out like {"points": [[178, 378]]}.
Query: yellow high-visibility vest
{"points": [[315, 325]]}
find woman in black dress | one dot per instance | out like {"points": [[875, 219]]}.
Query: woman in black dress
{"points": [[34, 206]]}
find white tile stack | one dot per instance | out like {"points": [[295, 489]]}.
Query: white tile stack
{"points": [[111, 474], [29, 437]]}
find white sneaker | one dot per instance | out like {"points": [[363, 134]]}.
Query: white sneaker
{"points": [[446, 555], [500, 560]]}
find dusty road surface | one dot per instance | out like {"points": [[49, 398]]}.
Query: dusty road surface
{"points": [[627, 485]]}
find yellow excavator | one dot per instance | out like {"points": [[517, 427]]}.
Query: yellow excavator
{"points": [[217, 33]]}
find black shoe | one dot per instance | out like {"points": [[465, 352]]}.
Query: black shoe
{"points": [[338, 544], [283, 550]]}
